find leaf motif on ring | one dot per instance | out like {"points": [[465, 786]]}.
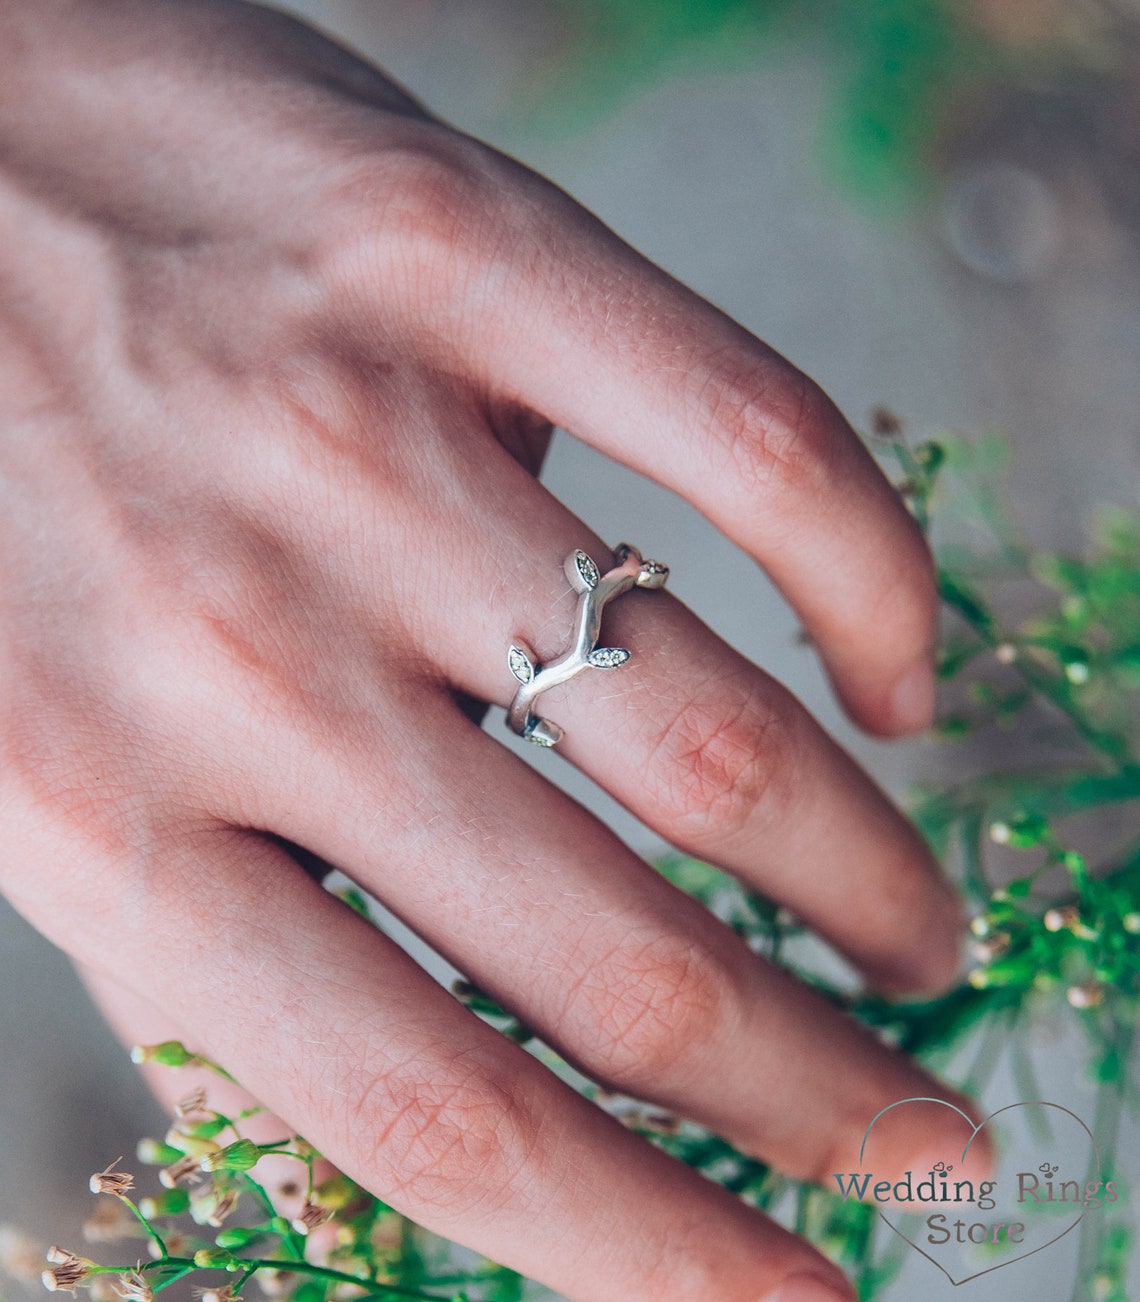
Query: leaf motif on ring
{"points": [[609, 657], [520, 664], [587, 569]]}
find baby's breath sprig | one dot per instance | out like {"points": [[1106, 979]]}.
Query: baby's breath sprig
{"points": [[341, 1243]]}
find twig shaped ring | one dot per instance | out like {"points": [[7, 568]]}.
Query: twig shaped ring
{"points": [[594, 590]]}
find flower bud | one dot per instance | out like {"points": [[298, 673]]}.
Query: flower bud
{"points": [[241, 1155], [1003, 971], [1062, 919], [195, 1145], [152, 1152], [134, 1287], [930, 455], [170, 1053], [206, 1128], [110, 1181], [994, 946], [274, 1282], [224, 1293], [216, 1259], [1019, 833], [1086, 995], [191, 1104], [183, 1169], [67, 1271], [309, 1217], [20, 1255], [223, 1208], [241, 1236], [336, 1192], [171, 1202], [1075, 663]]}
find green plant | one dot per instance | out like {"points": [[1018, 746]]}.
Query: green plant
{"points": [[1060, 930], [904, 77]]}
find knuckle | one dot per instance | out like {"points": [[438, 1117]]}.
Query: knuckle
{"points": [[774, 424], [428, 203], [67, 772], [720, 758], [439, 200], [652, 1009], [448, 1137]]}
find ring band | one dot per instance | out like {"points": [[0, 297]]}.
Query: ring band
{"points": [[595, 590]]}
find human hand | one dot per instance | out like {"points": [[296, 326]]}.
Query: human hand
{"points": [[280, 355]]}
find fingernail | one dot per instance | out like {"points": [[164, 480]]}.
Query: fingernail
{"points": [[808, 1288], [912, 701]]}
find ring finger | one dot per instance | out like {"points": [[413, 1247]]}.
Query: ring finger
{"points": [[697, 742]]}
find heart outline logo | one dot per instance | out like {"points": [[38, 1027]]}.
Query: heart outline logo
{"points": [[974, 1130]]}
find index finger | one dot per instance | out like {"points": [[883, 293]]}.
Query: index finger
{"points": [[611, 348]]}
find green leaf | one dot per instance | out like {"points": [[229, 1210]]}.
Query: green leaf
{"points": [[966, 602]]}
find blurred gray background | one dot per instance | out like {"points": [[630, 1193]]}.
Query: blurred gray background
{"points": [[1005, 293]]}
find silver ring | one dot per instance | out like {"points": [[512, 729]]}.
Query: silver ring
{"points": [[594, 590]]}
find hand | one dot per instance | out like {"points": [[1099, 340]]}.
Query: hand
{"points": [[280, 356]]}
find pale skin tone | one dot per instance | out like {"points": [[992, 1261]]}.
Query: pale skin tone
{"points": [[279, 356]]}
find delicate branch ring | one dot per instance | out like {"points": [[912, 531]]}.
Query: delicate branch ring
{"points": [[594, 590]]}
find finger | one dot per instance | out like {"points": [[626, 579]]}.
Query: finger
{"points": [[698, 743], [635, 983], [609, 347], [137, 1021], [343, 1035], [724, 762]]}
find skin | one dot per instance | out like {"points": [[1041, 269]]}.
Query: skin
{"points": [[279, 357]]}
